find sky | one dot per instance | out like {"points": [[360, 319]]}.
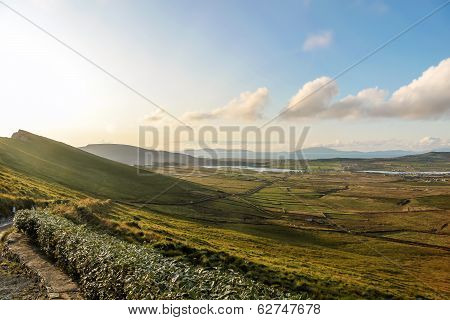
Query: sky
{"points": [[228, 63]]}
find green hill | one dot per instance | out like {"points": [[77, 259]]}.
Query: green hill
{"points": [[430, 156], [55, 162]]}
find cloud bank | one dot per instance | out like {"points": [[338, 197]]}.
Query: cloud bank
{"points": [[158, 115], [427, 97], [434, 142], [248, 106], [319, 40]]}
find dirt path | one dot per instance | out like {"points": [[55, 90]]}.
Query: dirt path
{"points": [[57, 283], [15, 283]]}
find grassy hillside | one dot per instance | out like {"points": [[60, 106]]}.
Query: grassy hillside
{"points": [[430, 156], [131, 271], [337, 234], [23, 192], [330, 234], [18, 185], [56, 162]]}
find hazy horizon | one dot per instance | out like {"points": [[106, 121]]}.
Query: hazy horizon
{"points": [[189, 59], [237, 149]]}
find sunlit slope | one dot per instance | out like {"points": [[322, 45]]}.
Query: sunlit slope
{"points": [[56, 162], [14, 184]]}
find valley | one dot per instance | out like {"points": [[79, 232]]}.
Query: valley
{"points": [[327, 232]]}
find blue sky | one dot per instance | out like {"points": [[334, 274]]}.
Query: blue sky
{"points": [[203, 60]]}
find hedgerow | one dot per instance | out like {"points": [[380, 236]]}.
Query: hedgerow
{"points": [[109, 268]]}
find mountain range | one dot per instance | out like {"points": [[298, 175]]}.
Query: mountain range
{"points": [[131, 155], [307, 153]]}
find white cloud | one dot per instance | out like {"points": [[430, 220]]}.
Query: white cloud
{"points": [[248, 106], [365, 103], [318, 40], [427, 97], [429, 140], [158, 115], [434, 142], [313, 98]]}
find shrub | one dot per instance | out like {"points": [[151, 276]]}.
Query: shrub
{"points": [[109, 268], [252, 270], [84, 210]]}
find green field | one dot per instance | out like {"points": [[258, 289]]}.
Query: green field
{"points": [[432, 161], [329, 233]]}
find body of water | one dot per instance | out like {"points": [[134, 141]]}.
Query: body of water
{"points": [[257, 169], [417, 173]]}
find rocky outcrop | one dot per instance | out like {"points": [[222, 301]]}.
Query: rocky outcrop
{"points": [[21, 135]]}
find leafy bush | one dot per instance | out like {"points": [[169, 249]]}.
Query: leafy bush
{"points": [[109, 268], [209, 258]]}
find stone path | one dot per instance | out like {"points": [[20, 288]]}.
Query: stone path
{"points": [[58, 284], [17, 284]]}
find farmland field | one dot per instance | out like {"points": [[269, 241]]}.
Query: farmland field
{"points": [[330, 233], [361, 231]]}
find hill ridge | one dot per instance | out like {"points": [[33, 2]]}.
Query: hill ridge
{"points": [[76, 169]]}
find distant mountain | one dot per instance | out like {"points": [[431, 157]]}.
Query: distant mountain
{"points": [[221, 153], [327, 153], [131, 155], [136, 156], [307, 153]]}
